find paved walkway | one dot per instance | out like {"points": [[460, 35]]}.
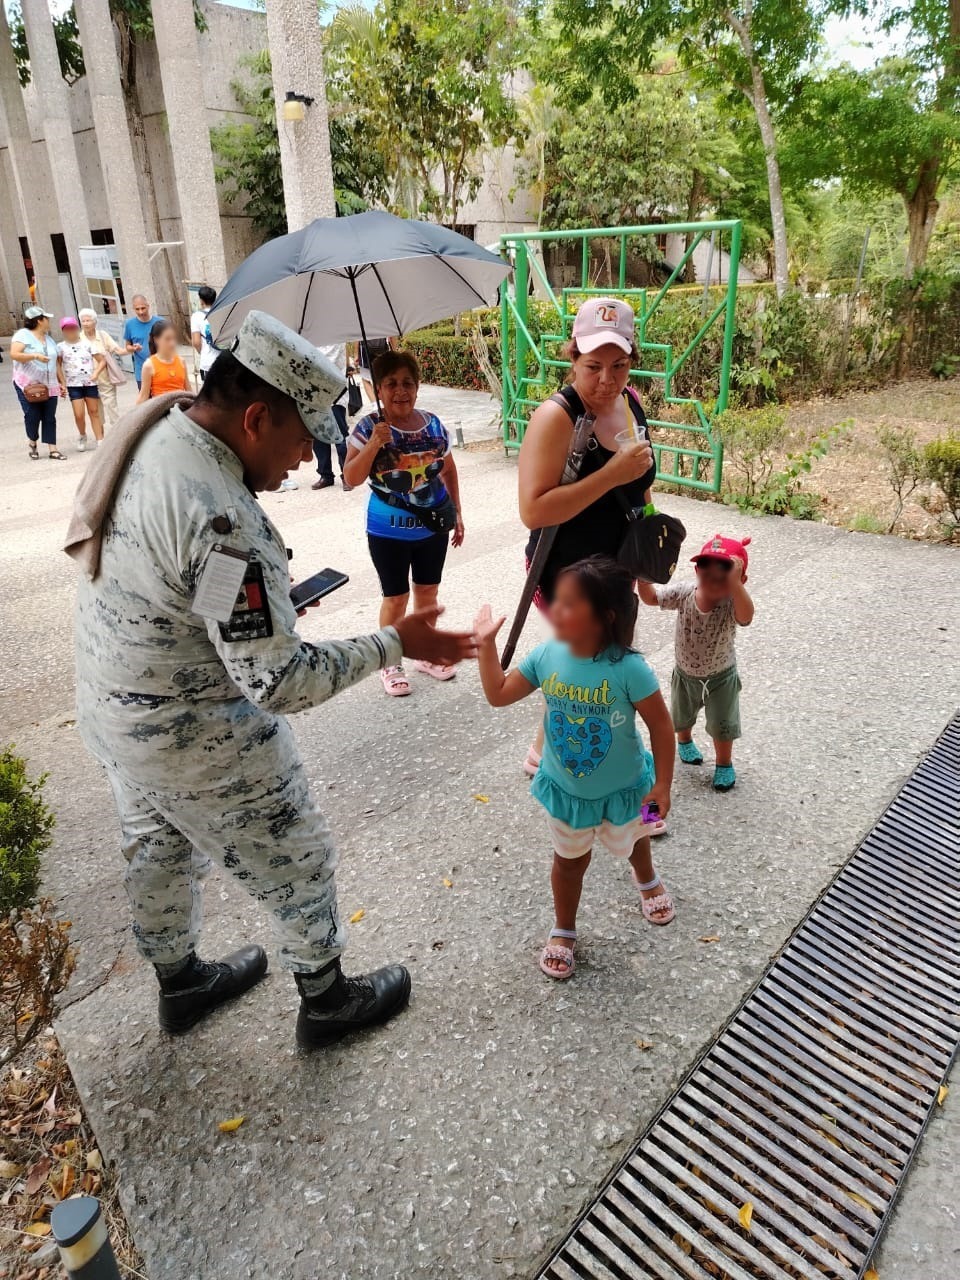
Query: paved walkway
{"points": [[461, 1141]]}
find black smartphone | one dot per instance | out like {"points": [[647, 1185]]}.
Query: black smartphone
{"points": [[313, 589]]}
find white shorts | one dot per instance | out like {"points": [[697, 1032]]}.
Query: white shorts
{"points": [[569, 842]]}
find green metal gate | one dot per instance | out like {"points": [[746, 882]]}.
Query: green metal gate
{"points": [[688, 452]]}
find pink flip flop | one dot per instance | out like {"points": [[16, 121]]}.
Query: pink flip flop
{"points": [[395, 682], [563, 954], [435, 669], [653, 907]]}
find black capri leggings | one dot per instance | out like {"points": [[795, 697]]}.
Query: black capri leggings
{"points": [[396, 560]]}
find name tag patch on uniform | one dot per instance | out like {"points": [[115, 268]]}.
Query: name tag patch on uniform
{"points": [[220, 581], [250, 618]]}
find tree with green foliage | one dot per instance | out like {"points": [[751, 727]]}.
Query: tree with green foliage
{"points": [[658, 154], [752, 50], [68, 44], [248, 154], [426, 84], [894, 129]]}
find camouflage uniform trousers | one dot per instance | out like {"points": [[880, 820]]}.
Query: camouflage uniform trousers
{"points": [[266, 830]]}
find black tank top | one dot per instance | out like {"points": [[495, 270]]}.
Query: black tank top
{"points": [[600, 528]]}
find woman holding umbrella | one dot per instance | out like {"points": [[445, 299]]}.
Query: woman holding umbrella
{"points": [[414, 506]]}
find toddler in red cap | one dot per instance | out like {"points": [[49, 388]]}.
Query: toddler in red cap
{"points": [[709, 610]]}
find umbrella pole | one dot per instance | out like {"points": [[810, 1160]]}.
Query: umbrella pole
{"points": [[363, 335]]}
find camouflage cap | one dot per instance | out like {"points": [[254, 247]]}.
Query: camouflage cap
{"points": [[294, 366]]}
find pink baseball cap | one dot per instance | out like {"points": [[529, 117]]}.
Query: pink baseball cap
{"points": [[603, 320], [69, 322]]}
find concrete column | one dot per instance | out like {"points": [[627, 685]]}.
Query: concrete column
{"points": [[116, 150], [293, 35], [12, 272], [58, 136], [182, 80], [31, 178]]}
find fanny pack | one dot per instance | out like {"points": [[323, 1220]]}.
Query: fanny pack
{"points": [[439, 519], [36, 392], [651, 546]]}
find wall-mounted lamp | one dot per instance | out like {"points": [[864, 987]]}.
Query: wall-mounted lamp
{"points": [[293, 105]]}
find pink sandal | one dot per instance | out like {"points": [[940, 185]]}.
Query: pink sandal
{"points": [[435, 669], [395, 682], [658, 910], [563, 954]]}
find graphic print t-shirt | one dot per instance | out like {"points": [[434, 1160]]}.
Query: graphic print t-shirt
{"points": [[704, 643], [592, 746], [409, 467], [77, 360]]}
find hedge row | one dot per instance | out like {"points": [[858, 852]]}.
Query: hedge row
{"points": [[786, 348]]}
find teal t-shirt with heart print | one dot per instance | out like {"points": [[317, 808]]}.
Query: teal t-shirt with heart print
{"points": [[595, 766]]}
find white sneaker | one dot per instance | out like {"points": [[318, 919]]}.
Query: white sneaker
{"points": [[81, 444], [288, 484]]}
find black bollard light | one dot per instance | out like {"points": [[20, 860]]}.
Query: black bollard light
{"points": [[81, 1235]]}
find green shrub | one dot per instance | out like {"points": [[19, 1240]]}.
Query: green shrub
{"points": [[904, 466], [866, 522], [752, 440], [781, 493], [25, 832], [941, 464], [448, 361]]}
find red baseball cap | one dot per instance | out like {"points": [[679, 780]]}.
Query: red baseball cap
{"points": [[726, 549]]}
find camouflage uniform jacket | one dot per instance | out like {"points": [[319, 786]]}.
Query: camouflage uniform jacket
{"points": [[163, 698]]}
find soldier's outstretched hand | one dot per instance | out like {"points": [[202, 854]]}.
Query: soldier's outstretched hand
{"points": [[420, 639]]}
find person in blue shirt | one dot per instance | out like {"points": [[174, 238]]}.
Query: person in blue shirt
{"points": [[597, 781], [136, 333]]}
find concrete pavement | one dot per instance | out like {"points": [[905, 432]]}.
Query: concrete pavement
{"points": [[463, 1139]]}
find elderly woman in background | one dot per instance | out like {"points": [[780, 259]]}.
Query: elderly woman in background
{"points": [[36, 380], [111, 375]]}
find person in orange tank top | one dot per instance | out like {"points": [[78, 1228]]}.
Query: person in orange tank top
{"points": [[165, 370]]}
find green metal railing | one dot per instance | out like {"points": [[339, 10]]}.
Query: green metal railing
{"points": [[692, 454]]}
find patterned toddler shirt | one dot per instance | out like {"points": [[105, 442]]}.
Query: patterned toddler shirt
{"points": [[705, 643], [77, 360]]}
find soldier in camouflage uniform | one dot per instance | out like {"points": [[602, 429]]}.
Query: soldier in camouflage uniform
{"points": [[184, 700]]}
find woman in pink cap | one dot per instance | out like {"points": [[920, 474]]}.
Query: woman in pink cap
{"points": [[591, 512]]}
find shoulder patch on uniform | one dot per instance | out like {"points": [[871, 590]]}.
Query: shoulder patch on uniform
{"points": [[251, 618]]}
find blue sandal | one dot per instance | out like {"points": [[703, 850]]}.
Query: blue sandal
{"points": [[689, 753], [724, 777]]}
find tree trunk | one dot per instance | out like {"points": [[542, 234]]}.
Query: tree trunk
{"points": [[693, 208], [756, 95], [778, 218]]}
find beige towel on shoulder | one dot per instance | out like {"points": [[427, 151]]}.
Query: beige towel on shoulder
{"points": [[94, 497]]}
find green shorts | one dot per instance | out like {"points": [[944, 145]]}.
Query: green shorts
{"points": [[718, 695]]}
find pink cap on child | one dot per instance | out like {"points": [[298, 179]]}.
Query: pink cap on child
{"points": [[69, 322]]}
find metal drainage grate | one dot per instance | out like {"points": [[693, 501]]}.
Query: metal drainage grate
{"points": [[811, 1102]]}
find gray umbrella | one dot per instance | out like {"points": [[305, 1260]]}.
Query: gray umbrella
{"points": [[370, 275]]}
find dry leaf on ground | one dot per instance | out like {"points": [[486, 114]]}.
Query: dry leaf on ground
{"points": [[482, 799], [231, 1125], [746, 1215], [38, 1175], [710, 937], [644, 1044], [942, 1094], [871, 1274], [357, 916], [447, 884]]}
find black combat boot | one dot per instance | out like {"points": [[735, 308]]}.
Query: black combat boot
{"points": [[203, 985], [347, 1004]]}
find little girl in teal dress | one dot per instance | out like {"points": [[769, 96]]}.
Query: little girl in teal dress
{"points": [[597, 781]]}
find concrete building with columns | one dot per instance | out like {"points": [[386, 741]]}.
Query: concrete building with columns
{"points": [[47, 219], [38, 177]]}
